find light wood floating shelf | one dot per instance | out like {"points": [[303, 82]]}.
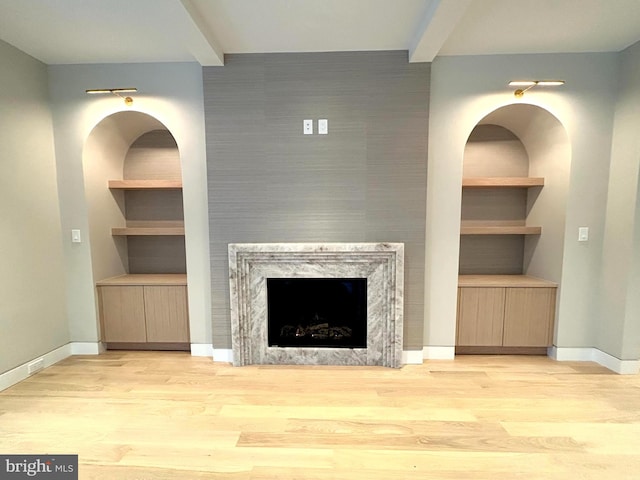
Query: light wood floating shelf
{"points": [[146, 279], [500, 230], [504, 182], [148, 231], [523, 281], [145, 184]]}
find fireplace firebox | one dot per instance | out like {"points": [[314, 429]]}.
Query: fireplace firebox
{"points": [[317, 312]]}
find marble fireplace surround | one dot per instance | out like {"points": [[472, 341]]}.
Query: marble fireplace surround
{"points": [[382, 264]]}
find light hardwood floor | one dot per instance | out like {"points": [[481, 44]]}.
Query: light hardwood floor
{"points": [[152, 415]]}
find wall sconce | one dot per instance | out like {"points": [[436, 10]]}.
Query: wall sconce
{"points": [[128, 101], [529, 84]]}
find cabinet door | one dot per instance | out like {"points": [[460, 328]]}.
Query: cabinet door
{"points": [[166, 312], [122, 313], [480, 316], [528, 318]]}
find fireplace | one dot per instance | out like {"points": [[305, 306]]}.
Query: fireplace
{"points": [[371, 271], [317, 312]]}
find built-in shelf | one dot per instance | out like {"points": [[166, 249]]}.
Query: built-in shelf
{"points": [[524, 281], [146, 279], [146, 231], [504, 182], [499, 230], [145, 184]]}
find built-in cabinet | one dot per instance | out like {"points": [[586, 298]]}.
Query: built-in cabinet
{"points": [[500, 310], [144, 309], [511, 311], [147, 306]]}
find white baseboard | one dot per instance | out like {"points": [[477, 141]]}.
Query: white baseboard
{"points": [[623, 367], [439, 353], [202, 350], [21, 372], [589, 354], [412, 357], [571, 354], [223, 355], [87, 348]]}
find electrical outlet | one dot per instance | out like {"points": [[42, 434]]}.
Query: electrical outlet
{"points": [[307, 127], [35, 366]]}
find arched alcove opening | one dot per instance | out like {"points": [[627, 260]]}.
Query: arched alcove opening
{"points": [[515, 184], [133, 186], [547, 144], [103, 158]]}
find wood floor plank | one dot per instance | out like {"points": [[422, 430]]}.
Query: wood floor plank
{"points": [[602, 438], [460, 443], [232, 460], [347, 412], [382, 427], [127, 472], [168, 415]]}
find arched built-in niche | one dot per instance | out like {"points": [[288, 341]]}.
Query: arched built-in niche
{"points": [[549, 150], [154, 157], [493, 151], [133, 186], [104, 154], [518, 140], [516, 177]]}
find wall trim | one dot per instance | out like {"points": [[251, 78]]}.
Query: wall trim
{"points": [[223, 355], [571, 354], [590, 354], [87, 348], [412, 357], [623, 367], [21, 372], [439, 353], [202, 350]]}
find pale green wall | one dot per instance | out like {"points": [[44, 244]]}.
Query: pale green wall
{"points": [[103, 158], [33, 317], [463, 91], [619, 328], [171, 93]]}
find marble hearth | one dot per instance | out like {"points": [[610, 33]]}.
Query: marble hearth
{"points": [[382, 264]]}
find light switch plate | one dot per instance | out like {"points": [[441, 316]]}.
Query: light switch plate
{"points": [[323, 126], [583, 234], [75, 236]]}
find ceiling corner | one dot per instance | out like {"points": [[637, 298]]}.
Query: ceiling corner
{"points": [[439, 20], [203, 44]]}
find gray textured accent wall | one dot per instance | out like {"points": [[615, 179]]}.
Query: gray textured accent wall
{"points": [[363, 182]]}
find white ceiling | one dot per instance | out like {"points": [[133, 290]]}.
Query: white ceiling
{"points": [[122, 31]]}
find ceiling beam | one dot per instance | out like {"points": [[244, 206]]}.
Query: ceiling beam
{"points": [[202, 43], [439, 20]]}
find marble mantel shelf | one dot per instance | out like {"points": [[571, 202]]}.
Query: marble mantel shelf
{"points": [[382, 264]]}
